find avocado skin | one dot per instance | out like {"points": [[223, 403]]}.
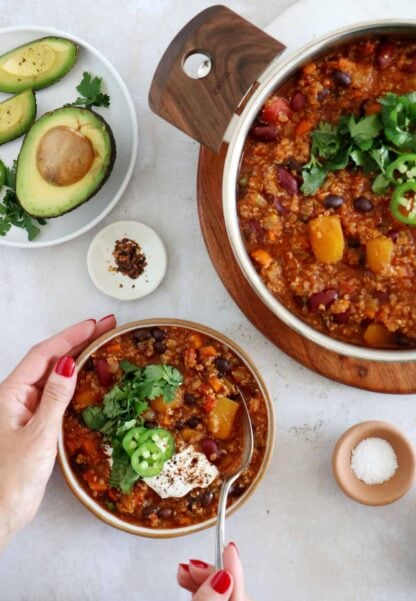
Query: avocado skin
{"points": [[27, 125], [47, 81], [113, 156]]}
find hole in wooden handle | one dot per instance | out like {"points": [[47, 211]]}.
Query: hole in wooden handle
{"points": [[197, 64]]}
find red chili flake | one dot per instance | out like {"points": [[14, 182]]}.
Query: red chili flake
{"points": [[129, 257]]}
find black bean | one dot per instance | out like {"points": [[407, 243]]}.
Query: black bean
{"points": [[403, 340], [89, 364], [193, 421], [159, 347], [237, 490], [354, 242], [148, 511], [264, 133], [393, 234], [189, 399], [322, 94], [223, 366], [165, 513], [149, 424], [192, 503], [179, 425], [142, 335], [363, 204], [341, 78], [333, 201], [206, 498], [158, 334]]}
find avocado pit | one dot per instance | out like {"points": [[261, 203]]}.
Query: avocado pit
{"points": [[64, 156]]}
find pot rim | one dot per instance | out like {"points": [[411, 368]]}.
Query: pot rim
{"points": [[278, 72], [108, 517]]}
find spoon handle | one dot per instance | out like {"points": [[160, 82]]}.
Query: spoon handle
{"points": [[220, 529]]}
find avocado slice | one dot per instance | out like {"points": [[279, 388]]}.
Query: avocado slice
{"points": [[17, 115], [66, 157], [37, 64]]}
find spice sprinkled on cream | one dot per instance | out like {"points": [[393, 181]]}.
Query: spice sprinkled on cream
{"points": [[374, 461], [181, 474]]}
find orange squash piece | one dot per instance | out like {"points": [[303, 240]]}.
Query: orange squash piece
{"points": [[376, 334], [327, 238], [222, 417], [379, 254], [85, 398], [261, 257], [158, 404]]}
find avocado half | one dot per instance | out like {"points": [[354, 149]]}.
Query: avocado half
{"points": [[66, 157], [17, 115], [37, 64]]}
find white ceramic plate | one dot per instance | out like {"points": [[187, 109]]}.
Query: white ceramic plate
{"points": [[100, 261], [120, 116]]}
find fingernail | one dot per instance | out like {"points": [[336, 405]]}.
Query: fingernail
{"points": [[198, 564], [235, 547], [220, 582], [107, 317], [65, 367], [184, 566]]}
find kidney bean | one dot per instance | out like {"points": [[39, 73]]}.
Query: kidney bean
{"points": [[382, 296], [206, 498], [287, 180], [158, 334], [402, 340], [159, 347], [275, 200], [255, 227], [148, 511], [210, 449], [333, 201], [142, 335], [410, 65], [341, 78], [341, 318], [384, 55], [189, 399], [104, 375], [324, 298], [164, 513], [193, 421], [298, 101], [363, 204], [264, 133], [223, 366], [393, 234]]}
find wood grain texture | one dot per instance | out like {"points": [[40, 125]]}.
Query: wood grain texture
{"points": [[202, 108], [378, 377]]}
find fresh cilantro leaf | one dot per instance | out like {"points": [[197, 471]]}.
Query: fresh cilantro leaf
{"points": [[325, 140], [398, 115], [314, 175], [90, 90], [94, 417], [122, 474], [365, 130], [380, 184]]}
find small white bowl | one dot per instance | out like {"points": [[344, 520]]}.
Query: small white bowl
{"points": [[100, 261]]}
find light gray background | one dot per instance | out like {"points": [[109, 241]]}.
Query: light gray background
{"points": [[300, 538]]}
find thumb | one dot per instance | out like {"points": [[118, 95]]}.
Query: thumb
{"points": [[217, 587], [57, 393]]}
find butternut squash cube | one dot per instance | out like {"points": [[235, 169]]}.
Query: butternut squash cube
{"points": [[379, 254], [160, 406], [222, 417], [376, 334], [327, 238]]}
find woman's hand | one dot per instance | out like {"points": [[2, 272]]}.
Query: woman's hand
{"points": [[205, 584], [33, 399]]}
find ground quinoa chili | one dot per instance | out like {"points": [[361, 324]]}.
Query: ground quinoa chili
{"points": [[210, 372], [349, 298]]}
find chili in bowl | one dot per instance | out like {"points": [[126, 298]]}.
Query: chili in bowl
{"points": [[155, 424]]}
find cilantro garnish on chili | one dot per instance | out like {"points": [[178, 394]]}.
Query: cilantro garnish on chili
{"points": [[380, 144]]}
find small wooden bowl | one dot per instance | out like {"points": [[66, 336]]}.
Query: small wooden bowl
{"points": [[374, 494]]}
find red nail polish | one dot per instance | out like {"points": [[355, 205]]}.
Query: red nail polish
{"points": [[184, 566], [199, 564], [65, 367], [235, 547], [221, 582], [107, 317]]}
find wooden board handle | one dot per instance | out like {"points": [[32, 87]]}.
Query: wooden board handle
{"points": [[239, 53]]}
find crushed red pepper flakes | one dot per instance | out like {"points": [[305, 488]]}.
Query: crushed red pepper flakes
{"points": [[129, 258]]}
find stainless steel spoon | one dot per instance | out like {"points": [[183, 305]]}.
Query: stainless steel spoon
{"points": [[229, 480]]}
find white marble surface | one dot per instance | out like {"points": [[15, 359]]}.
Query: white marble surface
{"points": [[300, 538]]}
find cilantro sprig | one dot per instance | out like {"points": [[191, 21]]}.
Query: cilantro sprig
{"points": [[90, 92], [11, 212], [371, 143]]}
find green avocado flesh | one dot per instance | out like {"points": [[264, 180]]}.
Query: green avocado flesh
{"points": [[65, 158], [37, 64], [17, 115]]}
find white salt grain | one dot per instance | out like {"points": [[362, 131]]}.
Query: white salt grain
{"points": [[374, 461]]}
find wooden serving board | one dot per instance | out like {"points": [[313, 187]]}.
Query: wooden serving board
{"points": [[396, 378]]}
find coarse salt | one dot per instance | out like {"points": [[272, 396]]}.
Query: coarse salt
{"points": [[374, 461]]}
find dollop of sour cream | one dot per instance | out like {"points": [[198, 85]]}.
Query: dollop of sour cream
{"points": [[185, 471]]}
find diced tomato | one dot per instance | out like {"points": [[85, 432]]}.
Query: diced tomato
{"points": [[276, 109], [114, 347], [104, 375], [86, 397], [209, 403], [72, 445], [113, 494], [208, 351], [89, 446], [215, 383]]}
